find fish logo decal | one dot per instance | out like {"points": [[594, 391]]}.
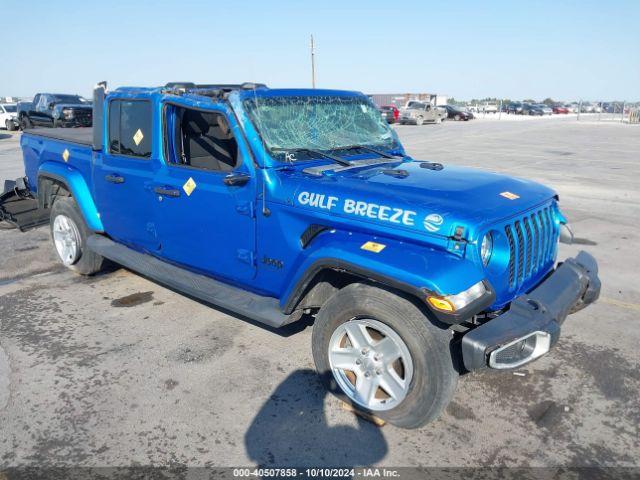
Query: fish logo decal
{"points": [[433, 222]]}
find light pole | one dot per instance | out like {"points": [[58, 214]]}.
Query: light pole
{"points": [[313, 64]]}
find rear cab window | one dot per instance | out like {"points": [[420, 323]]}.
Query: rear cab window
{"points": [[130, 126]]}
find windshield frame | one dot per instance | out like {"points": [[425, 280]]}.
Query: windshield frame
{"points": [[278, 154]]}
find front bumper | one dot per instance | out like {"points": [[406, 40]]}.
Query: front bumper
{"points": [[540, 313]]}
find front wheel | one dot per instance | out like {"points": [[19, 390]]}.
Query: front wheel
{"points": [[10, 125], [377, 351], [419, 121], [26, 123], [69, 233]]}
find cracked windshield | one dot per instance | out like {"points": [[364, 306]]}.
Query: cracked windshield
{"points": [[289, 125]]}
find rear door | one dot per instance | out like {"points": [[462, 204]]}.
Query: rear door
{"points": [[205, 192], [123, 174], [43, 116]]}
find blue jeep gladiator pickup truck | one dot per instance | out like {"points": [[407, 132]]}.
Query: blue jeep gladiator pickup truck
{"points": [[280, 203]]}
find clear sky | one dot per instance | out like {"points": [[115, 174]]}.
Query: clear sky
{"points": [[513, 49]]}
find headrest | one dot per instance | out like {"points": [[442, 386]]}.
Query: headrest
{"points": [[195, 123]]}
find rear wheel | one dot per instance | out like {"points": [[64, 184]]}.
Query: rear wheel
{"points": [[69, 233], [457, 117], [378, 352]]}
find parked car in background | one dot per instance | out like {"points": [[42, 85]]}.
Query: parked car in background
{"points": [[586, 107], [489, 108], [9, 116], [457, 113], [532, 109], [514, 107], [559, 108], [390, 113], [55, 110], [546, 109], [417, 113]]}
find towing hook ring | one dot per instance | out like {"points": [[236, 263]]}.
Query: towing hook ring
{"points": [[534, 304]]}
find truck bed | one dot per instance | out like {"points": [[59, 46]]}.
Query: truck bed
{"points": [[81, 136]]}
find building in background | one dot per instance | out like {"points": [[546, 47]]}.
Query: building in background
{"points": [[400, 99]]}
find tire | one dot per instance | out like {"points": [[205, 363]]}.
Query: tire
{"points": [[434, 378], [10, 125], [26, 123], [419, 121], [457, 118], [84, 262]]}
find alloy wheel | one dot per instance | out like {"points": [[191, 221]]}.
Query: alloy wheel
{"points": [[66, 238], [371, 363]]}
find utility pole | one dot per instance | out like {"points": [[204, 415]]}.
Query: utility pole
{"points": [[313, 64]]}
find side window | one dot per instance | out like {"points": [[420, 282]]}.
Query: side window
{"points": [[130, 128], [199, 139]]}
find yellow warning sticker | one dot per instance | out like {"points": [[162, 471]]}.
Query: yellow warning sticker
{"points": [[373, 247], [509, 195], [138, 136], [189, 186], [65, 155]]}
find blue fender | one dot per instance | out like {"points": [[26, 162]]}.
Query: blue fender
{"points": [[410, 267], [76, 183]]}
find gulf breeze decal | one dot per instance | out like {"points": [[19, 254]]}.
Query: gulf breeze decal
{"points": [[375, 211]]}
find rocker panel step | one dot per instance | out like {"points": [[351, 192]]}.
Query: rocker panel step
{"points": [[256, 307]]}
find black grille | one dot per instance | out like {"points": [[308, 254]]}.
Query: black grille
{"points": [[520, 251], [532, 241], [536, 243], [529, 247], [512, 255]]}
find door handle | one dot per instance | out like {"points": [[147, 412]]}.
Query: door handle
{"points": [[236, 179], [167, 191], [114, 178]]}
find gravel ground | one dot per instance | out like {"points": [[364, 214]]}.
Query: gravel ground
{"points": [[117, 370]]}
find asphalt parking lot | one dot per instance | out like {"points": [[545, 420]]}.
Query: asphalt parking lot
{"points": [[117, 370]]}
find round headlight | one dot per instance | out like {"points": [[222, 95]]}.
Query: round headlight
{"points": [[486, 248]]}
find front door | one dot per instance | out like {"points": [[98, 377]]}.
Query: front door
{"points": [[123, 175], [205, 192]]}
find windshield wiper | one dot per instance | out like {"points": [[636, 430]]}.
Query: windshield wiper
{"points": [[370, 149], [320, 153]]}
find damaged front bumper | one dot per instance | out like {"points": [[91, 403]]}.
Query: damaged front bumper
{"points": [[532, 324]]}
